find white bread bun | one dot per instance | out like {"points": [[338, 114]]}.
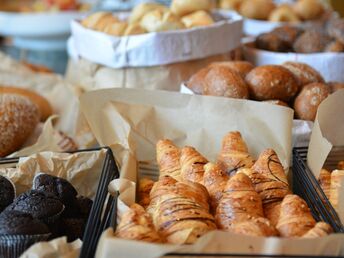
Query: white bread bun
{"points": [[184, 7], [140, 10], [197, 19], [98, 21], [116, 29], [159, 20]]}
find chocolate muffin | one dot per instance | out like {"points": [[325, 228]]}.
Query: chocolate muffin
{"points": [[84, 205], [311, 42], [41, 205], [7, 193], [271, 42], [57, 186], [73, 228]]}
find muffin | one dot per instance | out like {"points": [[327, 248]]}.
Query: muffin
{"points": [[7, 192], [84, 205], [73, 228], [19, 231]]}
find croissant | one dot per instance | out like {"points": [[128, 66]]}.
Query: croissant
{"points": [[295, 218], [234, 153], [340, 165], [320, 229], [179, 213], [270, 182], [325, 181], [260, 227], [336, 184], [136, 224], [192, 164], [215, 180], [145, 186], [168, 156]]}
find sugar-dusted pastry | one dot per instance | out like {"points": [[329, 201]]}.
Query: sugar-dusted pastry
{"points": [[141, 9], [161, 20], [168, 156], [144, 188], [337, 177], [295, 218], [270, 181], [325, 182], [184, 7], [215, 180], [320, 229], [234, 153], [99, 20], [197, 19], [192, 164], [136, 224]]}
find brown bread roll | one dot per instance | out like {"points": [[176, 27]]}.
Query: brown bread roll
{"points": [[334, 86], [311, 42], [303, 73], [18, 119], [223, 81], [308, 9], [257, 9], [42, 103], [241, 67], [272, 82], [197, 83], [271, 42], [307, 102], [288, 34]]}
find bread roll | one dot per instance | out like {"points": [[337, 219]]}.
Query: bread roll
{"points": [[116, 28], [308, 9], [230, 4], [99, 20], [271, 42], [192, 164], [223, 81], [272, 82], [336, 185], [184, 7], [197, 19], [283, 13], [334, 86], [168, 159], [311, 41], [43, 105], [197, 81], [303, 73], [277, 102], [241, 67], [257, 9], [18, 119], [134, 29], [288, 34], [159, 20], [307, 102], [141, 9]]}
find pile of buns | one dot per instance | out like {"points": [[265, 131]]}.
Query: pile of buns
{"points": [[291, 84], [301, 10], [41, 5], [331, 183], [153, 17], [236, 194]]}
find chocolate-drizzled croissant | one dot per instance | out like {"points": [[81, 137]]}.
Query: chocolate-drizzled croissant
{"points": [[336, 185], [215, 180], [234, 153], [168, 156], [180, 214], [320, 229], [192, 164], [325, 181], [270, 181], [136, 224], [144, 188], [295, 218]]}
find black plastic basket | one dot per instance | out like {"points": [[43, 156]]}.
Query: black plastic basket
{"points": [[306, 185]]}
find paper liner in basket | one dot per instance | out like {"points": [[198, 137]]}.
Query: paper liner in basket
{"points": [[328, 132]]}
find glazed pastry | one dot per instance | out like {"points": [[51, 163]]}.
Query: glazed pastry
{"points": [[325, 182], [340, 165], [223, 81], [196, 83], [116, 28], [136, 224], [320, 229], [168, 156], [184, 7], [230, 4], [241, 67], [197, 19], [215, 180], [234, 153], [257, 9], [311, 42], [192, 164], [179, 213], [283, 13], [160, 20], [98, 21], [271, 42], [336, 184], [144, 188], [308, 9], [295, 218], [141, 9], [270, 181], [307, 102], [18, 120]]}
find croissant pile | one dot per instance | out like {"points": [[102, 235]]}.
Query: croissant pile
{"points": [[153, 17], [235, 194]]}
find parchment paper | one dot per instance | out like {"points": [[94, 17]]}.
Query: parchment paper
{"points": [[328, 133]]}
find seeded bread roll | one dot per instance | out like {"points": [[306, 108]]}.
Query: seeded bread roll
{"points": [[272, 82], [43, 105], [241, 67], [307, 102], [18, 119], [303, 73], [223, 81], [257, 9]]}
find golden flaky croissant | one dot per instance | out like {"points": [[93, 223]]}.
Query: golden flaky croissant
{"points": [[180, 210], [325, 181], [168, 156], [215, 180], [295, 218], [336, 184], [240, 209], [145, 186], [234, 153], [270, 182], [136, 224], [192, 164], [320, 229]]}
